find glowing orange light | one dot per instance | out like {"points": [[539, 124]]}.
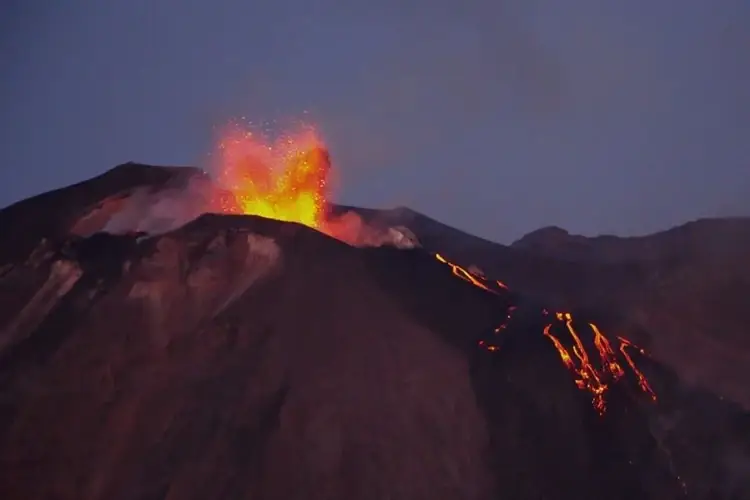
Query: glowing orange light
{"points": [[285, 180]]}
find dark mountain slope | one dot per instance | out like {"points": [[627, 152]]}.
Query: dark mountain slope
{"points": [[702, 237], [183, 375], [240, 357], [552, 280], [683, 290], [693, 292]]}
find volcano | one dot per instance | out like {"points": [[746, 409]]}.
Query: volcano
{"points": [[220, 355]]}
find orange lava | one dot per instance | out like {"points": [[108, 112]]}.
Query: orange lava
{"points": [[472, 278], [594, 376], [286, 179], [587, 376], [642, 382], [607, 355], [493, 287], [564, 354]]}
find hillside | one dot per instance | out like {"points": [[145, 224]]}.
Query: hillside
{"points": [[242, 357], [681, 291]]}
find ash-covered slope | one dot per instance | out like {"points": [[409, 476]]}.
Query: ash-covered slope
{"points": [[240, 357]]}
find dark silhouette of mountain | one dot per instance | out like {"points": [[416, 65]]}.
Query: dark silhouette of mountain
{"points": [[242, 357], [725, 237]]}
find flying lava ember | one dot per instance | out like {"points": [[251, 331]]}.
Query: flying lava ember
{"points": [[286, 179], [592, 373]]}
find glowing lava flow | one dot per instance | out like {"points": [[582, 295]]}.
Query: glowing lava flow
{"points": [[594, 379], [285, 180], [587, 376], [465, 275], [609, 361], [642, 382]]}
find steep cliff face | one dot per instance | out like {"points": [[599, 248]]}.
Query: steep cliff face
{"points": [[241, 357]]}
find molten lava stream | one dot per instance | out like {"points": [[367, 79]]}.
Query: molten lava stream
{"points": [[642, 381], [587, 376], [607, 355], [484, 284], [465, 275]]}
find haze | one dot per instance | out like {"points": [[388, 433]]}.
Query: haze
{"points": [[495, 117]]}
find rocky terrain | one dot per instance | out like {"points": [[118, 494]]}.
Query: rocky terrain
{"points": [[242, 357]]}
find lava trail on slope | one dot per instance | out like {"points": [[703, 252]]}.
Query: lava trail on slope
{"points": [[592, 373]]}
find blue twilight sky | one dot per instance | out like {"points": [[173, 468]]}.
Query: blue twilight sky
{"points": [[495, 116]]}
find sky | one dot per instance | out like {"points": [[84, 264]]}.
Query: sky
{"points": [[495, 116]]}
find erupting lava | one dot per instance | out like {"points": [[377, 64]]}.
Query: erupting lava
{"points": [[288, 180], [589, 376], [285, 180]]}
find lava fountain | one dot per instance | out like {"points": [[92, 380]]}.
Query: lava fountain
{"points": [[286, 179]]}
